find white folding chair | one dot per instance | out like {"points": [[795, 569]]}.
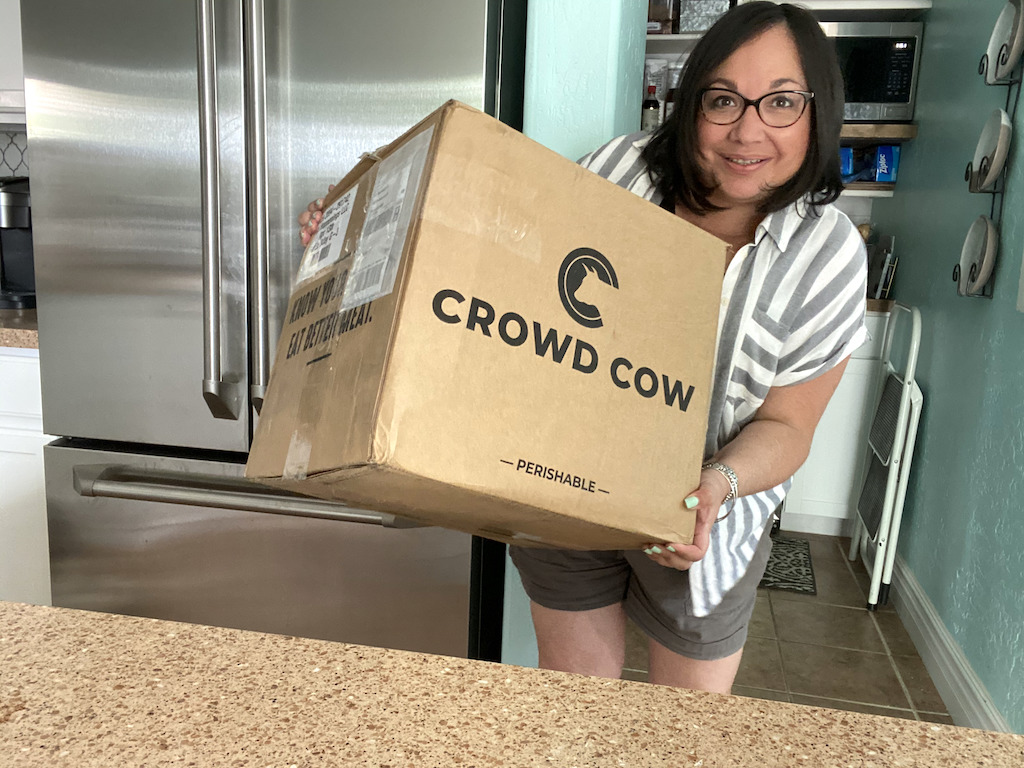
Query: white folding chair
{"points": [[891, 448]]}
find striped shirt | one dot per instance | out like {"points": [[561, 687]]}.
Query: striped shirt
{"points": [[793, 304]]}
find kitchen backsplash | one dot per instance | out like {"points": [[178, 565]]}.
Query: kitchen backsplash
{"points": [[13, 154]]}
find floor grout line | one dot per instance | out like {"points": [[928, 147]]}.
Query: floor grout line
{"points": [[855, 701], [895, 668], [878, 628], [829, 605], [778, 650]]}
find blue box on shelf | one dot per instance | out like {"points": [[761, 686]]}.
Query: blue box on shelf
{"points": [[886, 162], [846, 161], [876, 163]]}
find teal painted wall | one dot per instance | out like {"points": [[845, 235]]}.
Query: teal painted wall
{"points": [[584, 72], [584, 86], [963, 529]]}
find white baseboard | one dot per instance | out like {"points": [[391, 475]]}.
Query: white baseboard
{"points": [[795, 522], [962, 691]]}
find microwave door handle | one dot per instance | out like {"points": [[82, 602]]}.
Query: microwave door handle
{"points": [[125, 482], [222, 397], [256, 150]]}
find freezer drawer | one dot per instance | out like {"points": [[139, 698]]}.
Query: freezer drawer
{"points": [[283, 571]]}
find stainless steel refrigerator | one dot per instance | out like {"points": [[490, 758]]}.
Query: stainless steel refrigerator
{"points": [[173, 145]]}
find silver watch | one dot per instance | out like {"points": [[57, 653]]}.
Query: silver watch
{"points": [[729, 474]]}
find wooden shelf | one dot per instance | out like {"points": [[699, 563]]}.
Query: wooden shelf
{"points": [[878, 132], [866, 5], [681, 37], [870, 189], [672, 44], [856, 10]]}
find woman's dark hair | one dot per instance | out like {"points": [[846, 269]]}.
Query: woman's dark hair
{"points": [[672, 153]]}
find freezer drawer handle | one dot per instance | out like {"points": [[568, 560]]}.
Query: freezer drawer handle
{"points": [[198, 490], [256, 140], [221, 396]]}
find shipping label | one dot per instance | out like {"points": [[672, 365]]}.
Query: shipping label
{"points": [[326, 246], [388, 216]]}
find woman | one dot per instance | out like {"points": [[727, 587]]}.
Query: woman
{"points": [[751, 155]]}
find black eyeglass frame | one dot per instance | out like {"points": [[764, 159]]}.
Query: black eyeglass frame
{"points": [[756, 104]]}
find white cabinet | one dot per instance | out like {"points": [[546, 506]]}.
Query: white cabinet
{"points": [[826, 488], [12, 74], [24, 550]]}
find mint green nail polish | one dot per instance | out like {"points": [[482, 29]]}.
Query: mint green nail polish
{"points": [[656, 550], [648, 551], [670, 549], [691, 502]]}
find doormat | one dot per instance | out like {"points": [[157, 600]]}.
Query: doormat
{"points": [[789, 566]]}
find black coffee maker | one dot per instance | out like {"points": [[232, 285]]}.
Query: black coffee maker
{"points": [[17, 273]]}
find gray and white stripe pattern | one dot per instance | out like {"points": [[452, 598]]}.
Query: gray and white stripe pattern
{"points": [[792, 308]]}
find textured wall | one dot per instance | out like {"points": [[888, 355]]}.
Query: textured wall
{"points": [[963, 530], [584, 72]]}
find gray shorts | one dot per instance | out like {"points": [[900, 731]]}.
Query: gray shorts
{"points": [[657, 599]]}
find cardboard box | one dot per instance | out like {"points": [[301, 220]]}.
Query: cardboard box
{"points": [[662, 16], [487, 337]]}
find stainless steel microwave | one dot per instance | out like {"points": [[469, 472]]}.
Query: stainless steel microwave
{"points": [[880, 63]]}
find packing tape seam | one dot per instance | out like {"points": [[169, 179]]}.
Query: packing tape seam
{"points": [[399, 291], [307, 417]]}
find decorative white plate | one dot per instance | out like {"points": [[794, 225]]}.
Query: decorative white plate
{"points": [[978, 252], [1008, 31], [988, 258], [993, 143]]}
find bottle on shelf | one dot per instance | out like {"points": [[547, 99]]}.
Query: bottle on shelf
{"points": [[650, 113], [675, 70]]}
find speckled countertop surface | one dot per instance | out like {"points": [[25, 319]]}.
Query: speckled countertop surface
{"points": [[19, 328], [89, 689]]}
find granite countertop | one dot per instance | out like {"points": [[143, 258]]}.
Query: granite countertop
{"points": [[90, 689], [19, 328]]}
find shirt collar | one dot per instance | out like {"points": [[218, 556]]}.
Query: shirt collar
{"points": [[781, 225]]}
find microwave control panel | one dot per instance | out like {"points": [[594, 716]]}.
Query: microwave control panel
{"points": [[900, 70]]}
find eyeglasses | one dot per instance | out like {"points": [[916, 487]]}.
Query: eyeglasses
{"points": [[778, 109]]}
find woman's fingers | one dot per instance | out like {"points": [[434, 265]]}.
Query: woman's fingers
{"points": [[679, 556], [705, 501], [309, 223], [309, 219]]}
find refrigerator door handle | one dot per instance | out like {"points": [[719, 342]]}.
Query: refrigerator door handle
{"points": [[259, 232], [168, 487], [221, 396]]}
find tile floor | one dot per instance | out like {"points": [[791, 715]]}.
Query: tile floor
{"points": [[827, 650]]}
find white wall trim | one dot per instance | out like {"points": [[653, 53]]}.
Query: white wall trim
{"points": [[20, 423], [798, 522], [962, 691]]}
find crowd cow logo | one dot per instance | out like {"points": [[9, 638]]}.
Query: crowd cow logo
{"points": [[575, 269]]}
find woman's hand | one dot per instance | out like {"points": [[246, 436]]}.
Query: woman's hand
{"points": [[706, 501], [309, 219]]}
